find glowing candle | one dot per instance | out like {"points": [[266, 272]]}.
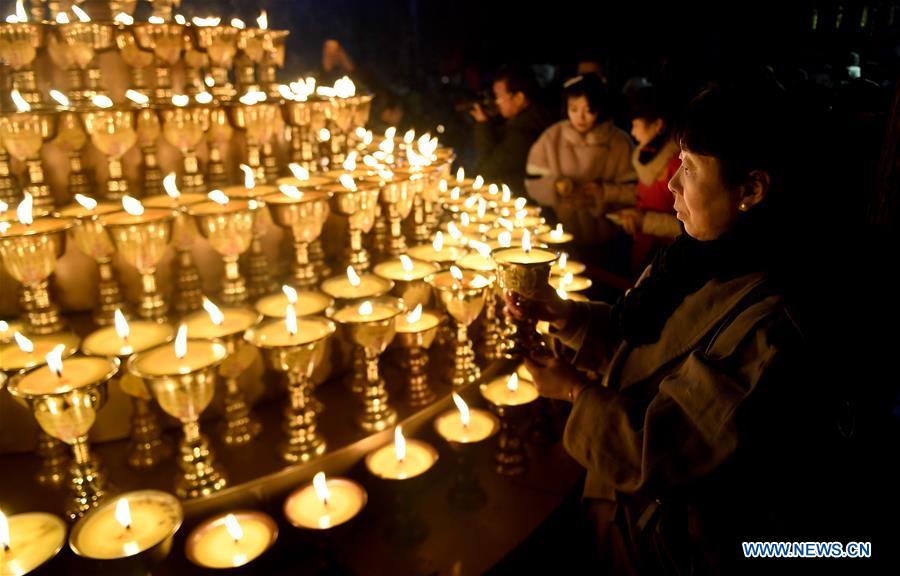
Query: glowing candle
{"points": [[305, 303], [127, 525], [465, 425], [325, 503], [404, 269], [231, 540], [509, 391], [180, 357], [24, 353], [401, 460], [353, 286], [418, 320], [29, 540], [124, 338]]}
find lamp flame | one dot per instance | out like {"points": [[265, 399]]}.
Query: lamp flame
{"points": [[54, 360], [137, 97], [324, 135], [181, 342], [61, 18], [238, 23], [25, 210], [214, 313], [353, 277], [406, 263], [513, 383], [263, 20], [290, 293], [291, 192], [218, 197], [557, 233], [526, 241], [132, 205], [180, 100], [348, 182], [101, 101], [321, 487], [24, 344], [478, 183], [463, 409], [438, 243], [456, 273], [4, 532], [61, 98], [563, 295], [82, 15], [415, 315], [123, 513], [290, 320], [204, 97], [122, 329], [350, 163], [390, 133], [249, 180], [299, 172], [365, 309], [505, 239], [234, 528], [563, 260], [171, 187], [399, 444], [21, 104], [460, 175], [123, 18]]}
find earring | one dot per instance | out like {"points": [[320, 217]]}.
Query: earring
{"points": [[743, 207]]}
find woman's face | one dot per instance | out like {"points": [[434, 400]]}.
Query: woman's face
{"points": [[580, 114], [644, 131], [707, 207]]}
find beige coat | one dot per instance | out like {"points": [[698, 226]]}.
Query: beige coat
{"points": [[665, 412], [603, 155]]}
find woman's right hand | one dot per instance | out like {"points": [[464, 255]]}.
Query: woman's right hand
{"points": [[549, 307]]}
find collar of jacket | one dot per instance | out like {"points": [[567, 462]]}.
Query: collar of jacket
{"points": [[699, 314], [599, 135], [651, 171]]}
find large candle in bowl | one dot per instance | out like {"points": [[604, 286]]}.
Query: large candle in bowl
{"points": [[401, 460], [509, 391], [325, 503], [352, 286], [566, 265], [437, 251], [29, 540], [165, 360], [134, 523], [465, 425], [408, 276], [77, 372], [231, 540], [556, 236], [126, 338], [24, 353], [305, 303], [221, 323], [570, 283]]}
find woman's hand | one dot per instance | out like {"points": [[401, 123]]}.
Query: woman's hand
{"points": [[478, 113], [555, 378], [550, 308], [632, 220]]}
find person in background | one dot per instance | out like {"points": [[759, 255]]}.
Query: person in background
{"points": [[707, 374], [651, 222], [581, 166], [501, 149]]}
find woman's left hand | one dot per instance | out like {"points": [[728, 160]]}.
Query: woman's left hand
{"points": [[554, 378]]}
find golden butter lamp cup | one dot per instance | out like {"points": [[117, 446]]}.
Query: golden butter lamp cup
{"points": [[463, 297], [184, 128], [19, 43], [220, 45], [142, 241], [184, 387], [372, 326], [296, 349], [23, 134], [239, 426], [74, 47], [30, 252], [258, 122], [229, 229], [416, 337], [188, 290], [167, 41], [259, 277], [91, 238], [397, 194], [113, 132], [65, 404], [358, 206], [304, 214]]}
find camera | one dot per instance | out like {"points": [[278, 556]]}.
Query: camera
{"points": [[485, 98]]}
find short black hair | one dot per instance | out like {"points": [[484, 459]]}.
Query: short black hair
{"points": [[518, 79], [591, 87], [743, 126]]}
